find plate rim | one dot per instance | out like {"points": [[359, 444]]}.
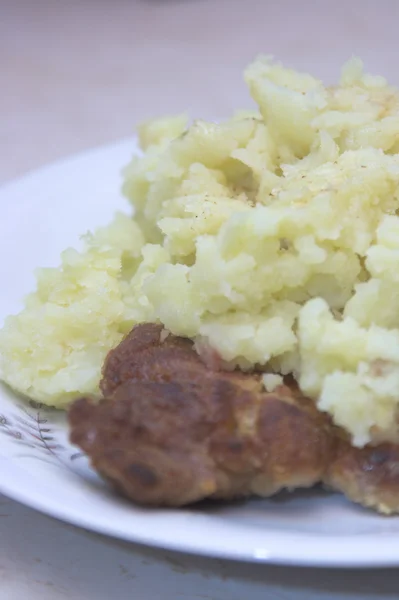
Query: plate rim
{"points": [[343, 551], [69, 158]]}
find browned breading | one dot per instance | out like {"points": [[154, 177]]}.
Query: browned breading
{"points": [[170, 431], [369, 476]]}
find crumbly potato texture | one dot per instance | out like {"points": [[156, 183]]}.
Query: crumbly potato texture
{"points": [[271, 238]]}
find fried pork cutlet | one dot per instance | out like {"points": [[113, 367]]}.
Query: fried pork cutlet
{"points": [[170, 431]]}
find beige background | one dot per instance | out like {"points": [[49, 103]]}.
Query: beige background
{"points": [[78, 73]]}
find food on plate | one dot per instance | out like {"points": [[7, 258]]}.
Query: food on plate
{"points": [[269, 242], [171, 431]]}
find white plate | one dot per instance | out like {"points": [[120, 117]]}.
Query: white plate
{"points": [[42, 214]]}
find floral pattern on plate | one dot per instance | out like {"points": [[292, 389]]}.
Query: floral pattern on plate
{"points": [[38, 432]]}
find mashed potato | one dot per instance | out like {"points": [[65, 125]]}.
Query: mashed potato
{"points": [[272, 237], [54, 349]]}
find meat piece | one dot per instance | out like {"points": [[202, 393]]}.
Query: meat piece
{"points": [[369, 476], [173, 444], [170, 431], [146, 355]]}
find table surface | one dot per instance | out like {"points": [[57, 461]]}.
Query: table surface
{"points": [[82, 73]]}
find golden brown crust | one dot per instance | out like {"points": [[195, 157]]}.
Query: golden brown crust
{"points": [[142, 355], [172, 444], [369, 476], [171, 431], [144, 442]]}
